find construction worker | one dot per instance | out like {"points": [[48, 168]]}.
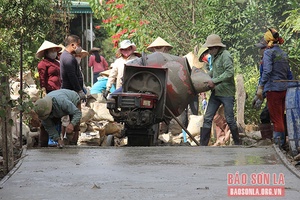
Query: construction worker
{"points": [[52, 108]]}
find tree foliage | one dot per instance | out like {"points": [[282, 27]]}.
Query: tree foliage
{"points": [[182, 23], [186, 23], [24, 25]]}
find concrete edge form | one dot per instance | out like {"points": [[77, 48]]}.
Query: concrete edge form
{"points": [[291, 167], [15, 168]]}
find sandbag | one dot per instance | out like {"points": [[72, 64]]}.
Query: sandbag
{"points": [[113, 128], [83, 127], [102, 113], [33, 92], [87, 114], [195, 123], [199, 80], [193, 60], [90, 138], [174, 127]]}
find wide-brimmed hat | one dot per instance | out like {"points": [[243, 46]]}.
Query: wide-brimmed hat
{"points": [[213, 40], [125, 44], [159, 42], [94, 49], [201, 51], [83, 53], [105, 73], [262, 44], [46, 45], [43, 107]]}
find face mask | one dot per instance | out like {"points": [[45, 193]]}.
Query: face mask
{"points": [[78, 50], [52, 55], [78, 59], [206, 58]]}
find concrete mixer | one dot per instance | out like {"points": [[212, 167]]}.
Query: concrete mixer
{"points": [[156, 87]]}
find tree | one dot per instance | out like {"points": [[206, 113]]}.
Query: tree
{"points": [[23, 27], [184, 24]]}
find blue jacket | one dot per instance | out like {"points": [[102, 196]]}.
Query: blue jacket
{"points": [[100, 85], [275, 67]]}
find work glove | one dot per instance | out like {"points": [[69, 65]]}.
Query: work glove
{"points": [[259, 92], [256, 103], [105, 93], [211, 84], [82, 95]]}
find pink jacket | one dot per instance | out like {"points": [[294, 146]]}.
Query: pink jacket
{"points": [[98, 67]]}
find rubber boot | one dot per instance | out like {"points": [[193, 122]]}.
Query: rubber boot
{"points": [[266, 131], [204, 136], [279, 137], [43, 137], [236, 136]]}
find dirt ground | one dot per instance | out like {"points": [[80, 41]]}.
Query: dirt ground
{"points": [[17, 156]]}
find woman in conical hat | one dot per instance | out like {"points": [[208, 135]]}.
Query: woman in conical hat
{"points": [[159, 45], [48, 67]]}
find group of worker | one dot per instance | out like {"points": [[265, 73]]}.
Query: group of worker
{"points": [[63, 83]]}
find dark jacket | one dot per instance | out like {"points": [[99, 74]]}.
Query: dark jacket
{"points": [[275, 67], [70, 73]]}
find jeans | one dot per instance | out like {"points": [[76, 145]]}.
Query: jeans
{"points": [[95, 77], [212, 107]]}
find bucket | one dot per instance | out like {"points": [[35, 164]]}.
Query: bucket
{"points": [[292, 102]]}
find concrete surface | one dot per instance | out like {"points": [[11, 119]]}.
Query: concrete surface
{"points": [[138, 173]]}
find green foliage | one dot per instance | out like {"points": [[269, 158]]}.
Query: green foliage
{"points": [[182, 23], [23, 27], [121, 21], [292, 43]]}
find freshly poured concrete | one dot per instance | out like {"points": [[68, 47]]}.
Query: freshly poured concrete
{"points": [[138, 173]]}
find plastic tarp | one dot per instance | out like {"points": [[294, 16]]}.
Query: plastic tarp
{"points": [[293, 117]]}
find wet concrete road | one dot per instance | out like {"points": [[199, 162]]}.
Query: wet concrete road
{"points": [[138, 173]]}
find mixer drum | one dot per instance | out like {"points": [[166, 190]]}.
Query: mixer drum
{"points": [[179, 87]]}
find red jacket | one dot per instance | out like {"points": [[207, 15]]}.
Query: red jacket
{"points": [[49, 72]]}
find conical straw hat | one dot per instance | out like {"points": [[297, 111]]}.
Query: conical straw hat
{"points": [[159, 42], [62, 48], [46, 45], [94, 49]]}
